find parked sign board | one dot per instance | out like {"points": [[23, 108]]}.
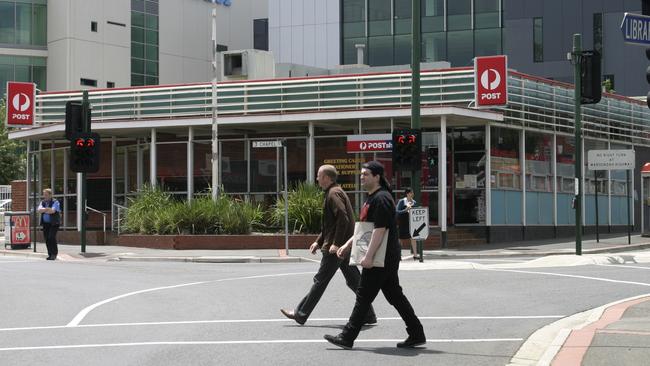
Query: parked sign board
{"points": [[610, 159]]}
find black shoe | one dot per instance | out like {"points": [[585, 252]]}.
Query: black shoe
{"points": [[412, 342], [50, 258], [371, 320], [292, 315], [339, 341]]}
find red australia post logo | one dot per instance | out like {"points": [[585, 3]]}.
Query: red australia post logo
{"points": [[20, 103], [491, 81], [369, 143]]}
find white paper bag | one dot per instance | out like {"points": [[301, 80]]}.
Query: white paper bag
{"points": [[361, 241]]}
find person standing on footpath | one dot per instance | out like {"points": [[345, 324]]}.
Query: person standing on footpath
{"points": [[50, 211], [379, 208], [403, 208], [337, 226]]}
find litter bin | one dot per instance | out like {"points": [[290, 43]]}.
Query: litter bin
{"points": [[17, 230]]}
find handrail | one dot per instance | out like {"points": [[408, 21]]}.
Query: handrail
{"points": [[118, 220], [99, 212]]}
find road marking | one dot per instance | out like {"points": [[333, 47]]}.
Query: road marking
{"points": [[570, 276], [281, 320], [272, 341], [623, 266], [12, 261], [83, 313]]}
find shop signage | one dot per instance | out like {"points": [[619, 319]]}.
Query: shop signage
{"points": [[490, 81], [20, 229], [419, 222], [370, 143], [610, 159], [636, 29], [20, 103]]}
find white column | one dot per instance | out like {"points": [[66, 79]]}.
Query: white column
{"points": [[488, 177], [442, 175], [113, 178], [554, 173], [522, 165], [152, 159], [190, 164], [311, 154], [139, 168], [52, 170], [126, 174]]}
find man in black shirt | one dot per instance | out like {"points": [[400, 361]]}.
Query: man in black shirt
{"points": [[380, 209]]}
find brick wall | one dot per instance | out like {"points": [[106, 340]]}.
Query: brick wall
{"points": [[18, 193]]}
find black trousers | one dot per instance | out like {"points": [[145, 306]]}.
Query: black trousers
{"points": [[328, 266], [49, 233], [386, 280]]}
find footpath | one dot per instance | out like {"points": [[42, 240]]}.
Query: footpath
{"points": [[613, 334]]}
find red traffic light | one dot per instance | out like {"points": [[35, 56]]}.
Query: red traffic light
{"points": [[79, 142], [90, 142]]}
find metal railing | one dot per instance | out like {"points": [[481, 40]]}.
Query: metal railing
{"points": [[117, 222], [88, 208], [533, 101]]}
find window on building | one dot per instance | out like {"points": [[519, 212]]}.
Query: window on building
{"points": [[538, 40], [610, 85], [22, 68], [598, 32], [403, 13], [88, 82], [379, 17], [487, 14], [110, 84], [144, 42], [222, 48], [23, 23], [433, 16], [261, 34], [459, 15], [93, 26]]}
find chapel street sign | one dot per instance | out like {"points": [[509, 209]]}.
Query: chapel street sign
{"points": [[636, 29]]}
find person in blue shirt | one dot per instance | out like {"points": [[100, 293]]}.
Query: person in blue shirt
{"points": [[50, 211]]}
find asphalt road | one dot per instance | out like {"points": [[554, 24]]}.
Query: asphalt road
{"points": [[132, 313]]}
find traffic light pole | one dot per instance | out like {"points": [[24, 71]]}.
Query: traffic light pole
{"points": [[575, 58], [85, 105], [415, 101]]}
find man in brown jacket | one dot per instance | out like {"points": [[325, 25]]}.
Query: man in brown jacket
{"points": [[336, 228]]}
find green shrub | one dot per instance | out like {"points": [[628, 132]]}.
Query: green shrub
{"points": [[155, 212], [305, 209]]}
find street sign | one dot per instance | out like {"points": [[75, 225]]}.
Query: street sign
{"points": [[267, 143], [20, 104], [636, 29], [610, 159], [419, 222], [490, 81], [370, 143]]}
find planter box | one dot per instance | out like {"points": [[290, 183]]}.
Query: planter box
{"points": [[215, 242]]}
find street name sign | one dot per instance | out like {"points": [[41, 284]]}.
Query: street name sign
{"points": [[419, 223], [610, 159], [636, 29], [267, 143]]}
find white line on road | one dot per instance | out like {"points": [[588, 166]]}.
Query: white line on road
{"points": [[570, 276], [12, 261], [624, 266], [285, 320], [272, 341], [83, 313]]}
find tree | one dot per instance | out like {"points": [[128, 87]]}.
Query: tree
{"points": [[12, 152]]}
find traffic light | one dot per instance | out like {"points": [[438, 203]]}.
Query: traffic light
{"points": [[407, 148], [590, 77], [73, 118], [84, 152]]}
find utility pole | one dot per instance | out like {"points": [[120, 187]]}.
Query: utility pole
{"points": [[86, 128], [415, 101], [576, 56], [215, 125]]}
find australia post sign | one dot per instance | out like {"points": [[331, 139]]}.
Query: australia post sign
{"points": [[491, 81], [20, 104], [370, 143]]}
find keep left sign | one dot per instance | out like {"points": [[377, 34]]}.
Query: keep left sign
{"points": [[20, 104]]}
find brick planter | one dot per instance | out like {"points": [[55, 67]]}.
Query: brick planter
{"points": [[215, 242]]}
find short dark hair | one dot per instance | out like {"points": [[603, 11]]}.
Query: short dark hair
{"points": [[407, 190]]}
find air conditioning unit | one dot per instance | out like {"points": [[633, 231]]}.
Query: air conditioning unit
{"points": [[247, 65]]}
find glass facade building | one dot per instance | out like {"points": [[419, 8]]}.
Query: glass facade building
{"points": [[144, 42], [454, 31], [23, 26]]}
